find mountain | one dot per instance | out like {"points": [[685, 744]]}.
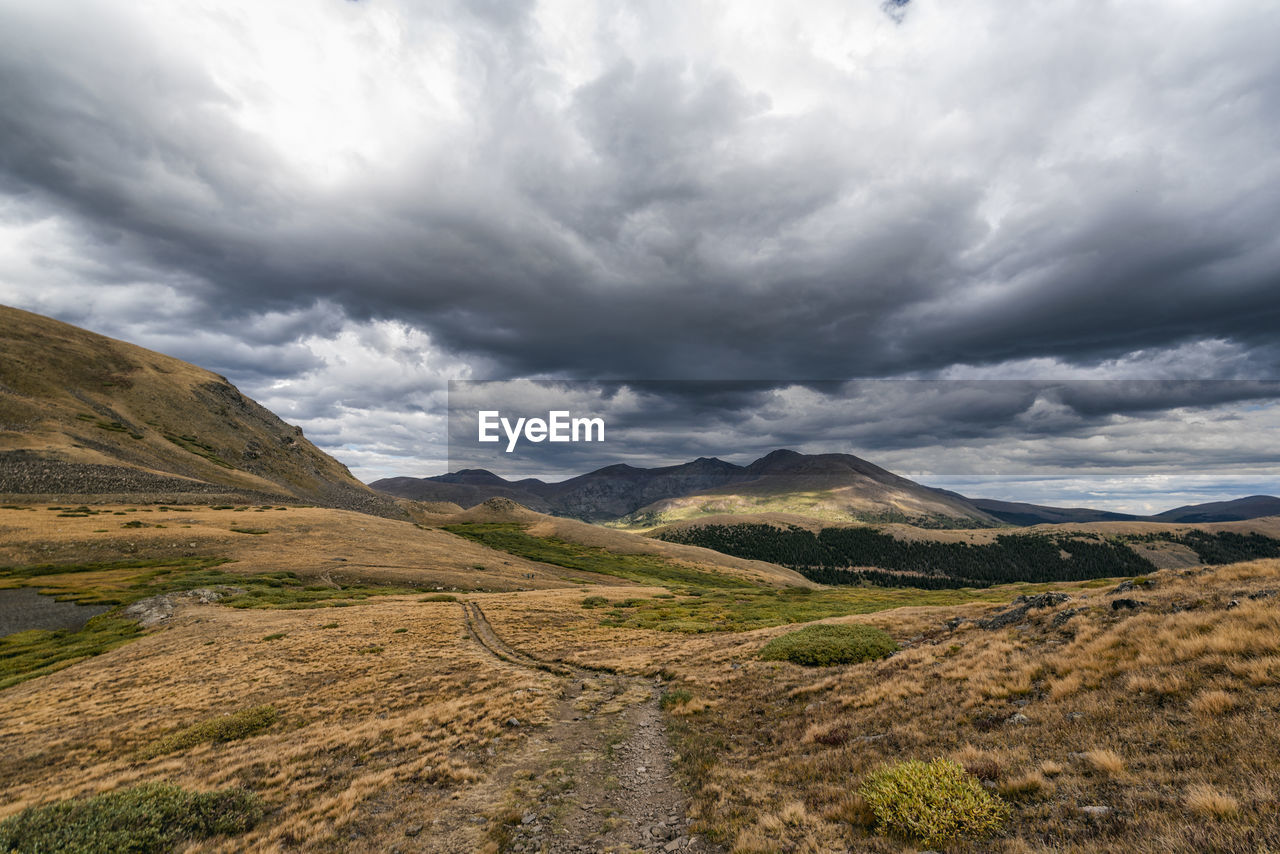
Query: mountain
{"points": [[832, 487], [86, 415], [1251, 507], [820, 487], [839, 487], [1019, 513]]}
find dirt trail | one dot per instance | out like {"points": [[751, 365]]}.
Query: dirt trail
{"points": [[597, 779]]}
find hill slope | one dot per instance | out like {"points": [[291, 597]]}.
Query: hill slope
{"points": [[86, 415], [832, 487], [1021, 513], [1252, 507]]}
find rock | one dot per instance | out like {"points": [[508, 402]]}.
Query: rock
{"points": [[513, 722], [1022, 605], [413, 831], [1127, 604], [1262, 594], [1060, 619], [1234, 603], [1134, 584], [528, 818], [157, 610], [1096, 811], [1018, 719], [674, 845]]}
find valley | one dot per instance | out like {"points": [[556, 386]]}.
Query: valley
{"points": [[808, 654]]}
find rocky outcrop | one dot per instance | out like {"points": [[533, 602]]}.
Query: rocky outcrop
{"points": [[158, 610]]}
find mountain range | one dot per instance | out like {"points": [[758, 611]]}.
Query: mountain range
{"points": [[832, 487], [86, 415]]}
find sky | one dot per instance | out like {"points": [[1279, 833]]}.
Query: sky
{"points": [[342, 206]]}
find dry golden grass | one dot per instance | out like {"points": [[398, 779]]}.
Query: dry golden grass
{"points": [[366, 744], [1214, 703], [1204, 800], [1163, 715], [314, 542], [1105, 762], [1151, 714], [75, 396]]}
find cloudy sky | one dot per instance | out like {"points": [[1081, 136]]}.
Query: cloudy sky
{"points": [[343, 205]]}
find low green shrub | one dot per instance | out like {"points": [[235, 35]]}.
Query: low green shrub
{"points": [[439, 597], [231, 727], [594, 602], [932, 803], [151, 817], [824, 645], [675, 697]]}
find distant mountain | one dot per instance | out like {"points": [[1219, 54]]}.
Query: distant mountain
{"points": [[827, 487], [834, 486], [1241, 509], [85, 415], [1018, 513]]}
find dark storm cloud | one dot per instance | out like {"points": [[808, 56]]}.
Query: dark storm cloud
{"points": [[661, 219]]}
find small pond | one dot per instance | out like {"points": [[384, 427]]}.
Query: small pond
{"points": [[24, 608]]}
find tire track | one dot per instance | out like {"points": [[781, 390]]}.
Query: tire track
{"points": [[482, 632]]}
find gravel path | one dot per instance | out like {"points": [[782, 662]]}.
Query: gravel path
{"points": [[601, 772]]}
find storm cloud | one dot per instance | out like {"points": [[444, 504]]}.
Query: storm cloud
{"points": [[343, 205]]}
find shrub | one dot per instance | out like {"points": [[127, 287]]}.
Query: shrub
{"points": [[594, 601], [932, 803], [231, 727], [151, 817], [822, 646], [675, 697], [439, 597]]}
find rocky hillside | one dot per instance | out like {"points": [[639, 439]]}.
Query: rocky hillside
{"points": [[82, 415]]}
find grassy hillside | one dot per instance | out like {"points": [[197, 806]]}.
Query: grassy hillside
{"points": [[585, 537], [86, 415], [1100, 728], [818, 498]]}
